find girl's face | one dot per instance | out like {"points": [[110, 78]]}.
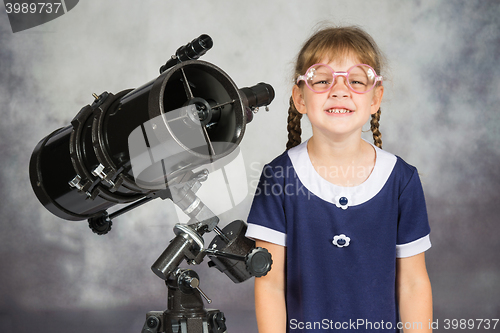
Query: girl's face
{"points": [[339, 112]]}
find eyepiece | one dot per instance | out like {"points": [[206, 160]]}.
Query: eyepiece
{"points": [[191, 51], [262, 94], [198, 47]]}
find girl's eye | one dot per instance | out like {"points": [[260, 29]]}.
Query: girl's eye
{"points": [[320, 78], [354, 82], [358, 79], [325, 82]]}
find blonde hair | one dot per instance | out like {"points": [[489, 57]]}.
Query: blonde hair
{"points": [[333, 43]]}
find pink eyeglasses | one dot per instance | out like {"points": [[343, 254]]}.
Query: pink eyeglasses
{"points": [[361, 78]]}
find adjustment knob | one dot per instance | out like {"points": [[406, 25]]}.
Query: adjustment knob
{"points": [[100, 225], [258, 262]]}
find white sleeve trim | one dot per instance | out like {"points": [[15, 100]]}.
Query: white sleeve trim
{"points": [[413, 248], [259, 232]]}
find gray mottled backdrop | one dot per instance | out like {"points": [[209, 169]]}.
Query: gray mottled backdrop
{"points": [[441, 114]]}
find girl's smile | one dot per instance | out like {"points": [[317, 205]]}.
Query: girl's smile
{"points": [[338, 112]]}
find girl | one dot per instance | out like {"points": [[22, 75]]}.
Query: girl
{"points": [[344, 220]]}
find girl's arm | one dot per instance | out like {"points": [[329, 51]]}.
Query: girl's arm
{"points": [[270, 305], [414, 293]]}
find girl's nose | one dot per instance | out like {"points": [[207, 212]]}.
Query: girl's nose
{"points": [[339, 88]]}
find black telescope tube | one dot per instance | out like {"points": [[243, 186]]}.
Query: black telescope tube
{"points": [[191, 51]]}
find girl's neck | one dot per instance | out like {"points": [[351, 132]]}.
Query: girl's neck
{"points": [[346, 162], [341, 150]]}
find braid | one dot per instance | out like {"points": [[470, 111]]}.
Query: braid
{"points": [[294, 130], [377, 136]]}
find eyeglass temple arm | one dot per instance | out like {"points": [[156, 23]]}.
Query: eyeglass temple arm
{"points": [[300, 78]]}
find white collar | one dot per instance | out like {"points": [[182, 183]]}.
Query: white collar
{"points": [[356, 195]]}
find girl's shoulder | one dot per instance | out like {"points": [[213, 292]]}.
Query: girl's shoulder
{"points": [[404, 167], [394, 168], [281, 160], [406, 174], [395, 162]]}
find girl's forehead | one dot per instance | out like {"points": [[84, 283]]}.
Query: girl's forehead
{"points": [[339, 57], [341, 61]]}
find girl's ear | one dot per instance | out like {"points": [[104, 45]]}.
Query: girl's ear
{"points": [[377, 99], [298, 99]]}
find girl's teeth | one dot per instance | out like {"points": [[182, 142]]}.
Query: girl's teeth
{"points": [[338, 111]]}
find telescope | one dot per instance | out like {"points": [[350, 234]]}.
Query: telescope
{"points": [[150, 142]]}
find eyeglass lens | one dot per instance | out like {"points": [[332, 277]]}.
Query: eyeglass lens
{"points": [[360, 78]]}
